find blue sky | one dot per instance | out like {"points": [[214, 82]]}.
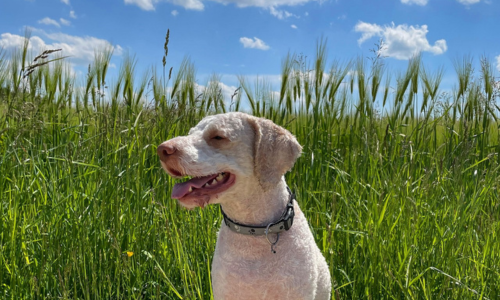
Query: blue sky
{"points": [[250, 37]]}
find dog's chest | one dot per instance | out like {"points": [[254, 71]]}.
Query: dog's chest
{"points": [[245, 268], [245, 280]]}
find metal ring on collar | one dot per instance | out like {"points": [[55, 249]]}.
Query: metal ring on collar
{"points": [[267, 238]]}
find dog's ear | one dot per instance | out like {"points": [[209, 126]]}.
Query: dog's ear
{"points": [[275, 151]]}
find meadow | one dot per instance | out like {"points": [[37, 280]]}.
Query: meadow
{"points": [[399, 178]]}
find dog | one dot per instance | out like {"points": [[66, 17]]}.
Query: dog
{"points": [[265, 248]]}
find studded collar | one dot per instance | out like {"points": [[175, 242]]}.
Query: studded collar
{"points": [[283, 224]]}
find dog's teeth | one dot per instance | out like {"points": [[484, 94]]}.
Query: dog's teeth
{"points": [[206, 184], [219, 177], [190, 189]]}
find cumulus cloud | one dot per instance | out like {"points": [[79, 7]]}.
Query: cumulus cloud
{"points": [[271, 5], [150, 4], [143, 4], [265, 3], [49, 21], [198, 4], [64, 22], [80, 49], [293, 26], [417, 2], [174, 13], [254, 43], [424, 2], [8, 40], [402, 41], [227, 92], [72, 14], [189, 4]]}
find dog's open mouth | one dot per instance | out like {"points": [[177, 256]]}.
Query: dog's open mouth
{"points": [[200, 189]]}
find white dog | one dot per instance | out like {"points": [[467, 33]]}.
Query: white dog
{"points": [[265, 249]]}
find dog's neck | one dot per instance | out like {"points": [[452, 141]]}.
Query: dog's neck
{"points": [[258, 207]]}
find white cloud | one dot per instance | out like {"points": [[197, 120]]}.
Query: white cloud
{"points": [[402, 41], [64, 22], [150, 4], [468, 2], [498, 63], [8, 40], [368, 30], [254, 43], [174, 13], [80, 49], [265, 3], [65, 2], [417, 2], [189, 4], [143, 4], [280, 14], [198, 4], [227, 92], [268, 86], [72, 14], [293, 26], [48, 21], [273, 79]]}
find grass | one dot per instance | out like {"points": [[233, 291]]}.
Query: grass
{"points": [[400, 181]]}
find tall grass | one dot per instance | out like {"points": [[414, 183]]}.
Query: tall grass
{"points": [[399, 179]]}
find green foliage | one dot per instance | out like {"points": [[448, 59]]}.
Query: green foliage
{"points": [[403, 199]]}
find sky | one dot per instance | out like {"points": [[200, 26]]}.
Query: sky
{"points": [[251, 37]]}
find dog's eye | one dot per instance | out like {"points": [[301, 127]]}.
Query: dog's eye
{"points": [[217, 137]]}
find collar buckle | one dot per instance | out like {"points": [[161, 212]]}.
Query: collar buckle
{"points": [[289, 213]]}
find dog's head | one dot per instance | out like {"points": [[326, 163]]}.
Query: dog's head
{"points": [[228, 155]]}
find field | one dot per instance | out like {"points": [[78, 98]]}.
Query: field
{"points": [[399, 179]]}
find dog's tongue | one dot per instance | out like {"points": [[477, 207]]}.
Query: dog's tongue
{"points": [[181, 189]]}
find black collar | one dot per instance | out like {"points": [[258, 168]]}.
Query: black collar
{"points": [[283, 224]]}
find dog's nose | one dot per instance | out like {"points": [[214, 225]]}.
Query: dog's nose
{"points": [[165, 149]]}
